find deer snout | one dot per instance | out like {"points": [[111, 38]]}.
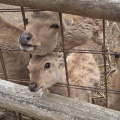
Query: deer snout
{"points": [[25, 38], [33, 87]]}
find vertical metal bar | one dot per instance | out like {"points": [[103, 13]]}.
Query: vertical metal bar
{"points": [[15, 116], [24, 20], [104, 56], [3, 65], [64, 53], [23, 16], [19, 117], [30, 55], [6, 113]]}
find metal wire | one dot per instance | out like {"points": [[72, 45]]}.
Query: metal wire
{"points": [[3, 47], [104, 52], [64, 53], [25, 21], [88, 88], [23, 16], [104, 56], [87, 51], [19, 10], [117, 55], [19, 116], [57, 50]]}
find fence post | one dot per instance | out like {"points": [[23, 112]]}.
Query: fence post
{"points": [[49, 106]]}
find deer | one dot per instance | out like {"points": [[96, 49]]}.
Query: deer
{"points": [[15, 61], [114, 99], [20, 62], [43, 33], [42, 36], [45, 72]]}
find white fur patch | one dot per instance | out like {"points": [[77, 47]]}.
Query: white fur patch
{"points": [[40, 92], [29, 49]]}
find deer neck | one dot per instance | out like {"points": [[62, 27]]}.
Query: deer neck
{"points": [[62, 77]]}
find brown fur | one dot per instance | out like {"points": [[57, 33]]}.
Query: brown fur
{"points": [[82, 70], [45, 39], [114, 99], [81, 32], [15, 61]]}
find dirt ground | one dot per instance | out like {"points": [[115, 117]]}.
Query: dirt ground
{"points": [[99, 97]]}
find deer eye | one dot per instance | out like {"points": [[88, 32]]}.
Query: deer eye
{"points": [[47, 65], [54, 26]]}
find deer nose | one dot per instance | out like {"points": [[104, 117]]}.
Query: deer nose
{"points": [[25, 38], [32, 86]]}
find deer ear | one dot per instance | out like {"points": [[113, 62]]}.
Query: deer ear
{"points": [[67, 24]]}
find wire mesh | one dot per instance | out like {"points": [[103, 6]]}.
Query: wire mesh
{"points": [[103, 52]]}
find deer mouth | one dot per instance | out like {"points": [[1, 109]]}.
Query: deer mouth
{"points": [[35, 90], [27, 47]]}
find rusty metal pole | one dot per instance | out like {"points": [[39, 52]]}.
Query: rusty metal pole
{"points": [[66, 71], [104, 56], [23, 16]]}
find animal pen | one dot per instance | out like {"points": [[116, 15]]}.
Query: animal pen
{"points": [[17, 98]]}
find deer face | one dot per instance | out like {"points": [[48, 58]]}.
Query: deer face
{"points": [[42, 33], [43, 72]]}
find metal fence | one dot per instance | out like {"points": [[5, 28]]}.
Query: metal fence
{"points": [[104, 52]]}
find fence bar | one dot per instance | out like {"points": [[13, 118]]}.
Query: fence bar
{"points": [[19, 10], [19, 117], [23, 16], [101, 9], [50, 106], [69, 51], [104, 52], [66, 71], [3, 65], [104, 57]]}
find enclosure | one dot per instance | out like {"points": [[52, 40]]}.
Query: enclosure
{"points": [[23, 103]]}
